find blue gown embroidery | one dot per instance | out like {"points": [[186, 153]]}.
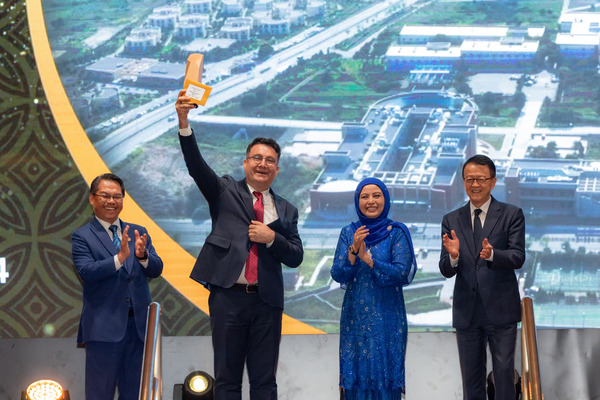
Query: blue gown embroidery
{"points": [[373, 327]]}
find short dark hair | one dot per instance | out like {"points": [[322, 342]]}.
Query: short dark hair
{"points": [[106, 177], [480, 159], [267, 142]]}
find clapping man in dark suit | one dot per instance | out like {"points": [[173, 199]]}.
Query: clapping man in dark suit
{"points": [[114, 270], [254, 231], [483, 245]]}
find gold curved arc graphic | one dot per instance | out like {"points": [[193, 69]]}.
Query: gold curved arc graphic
{"points": [[177, 261]]}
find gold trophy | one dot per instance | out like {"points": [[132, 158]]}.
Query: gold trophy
{"points": [[193, 80]]}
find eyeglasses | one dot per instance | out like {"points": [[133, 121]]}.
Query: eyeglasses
{"points": [[106, 197], [481, 180], [257, 159]]}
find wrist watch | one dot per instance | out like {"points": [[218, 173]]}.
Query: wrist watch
{"points": [[144, 257], [351, 250]]}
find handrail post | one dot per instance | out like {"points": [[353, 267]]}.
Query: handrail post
{"points": [[530, 379], [151, 378]]}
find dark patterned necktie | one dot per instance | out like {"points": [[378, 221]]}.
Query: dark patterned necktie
{"points": [[116, 240], [477, 230], [252, 261]]}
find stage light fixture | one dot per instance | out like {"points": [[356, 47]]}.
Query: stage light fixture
{"points": [[45, 389], [198, 385]]}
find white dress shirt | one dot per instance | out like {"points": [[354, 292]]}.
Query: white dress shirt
{"points": [[484, 210], [106, 226], [270, 215]]}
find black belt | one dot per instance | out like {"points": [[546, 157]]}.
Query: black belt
{"points": [[245, 288]]}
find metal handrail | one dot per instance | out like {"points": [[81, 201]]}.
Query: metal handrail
{"points": [[151, 379], [531, 386]]}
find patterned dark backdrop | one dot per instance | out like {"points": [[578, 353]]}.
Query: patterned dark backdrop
{"points": [[43, 199]]}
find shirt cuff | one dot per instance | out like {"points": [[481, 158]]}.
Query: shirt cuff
{"points": [[187, 131], [453, 261], [118, 265]]}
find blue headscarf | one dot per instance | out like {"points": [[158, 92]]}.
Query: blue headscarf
{"points": [[381, 226]]}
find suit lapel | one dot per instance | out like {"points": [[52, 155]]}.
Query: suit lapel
{"points": [[246, 198], [280, 205], [103, 236], [280, 208], [492, 217]]}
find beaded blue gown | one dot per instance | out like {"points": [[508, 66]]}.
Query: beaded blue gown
{"points": [[373, 327]]}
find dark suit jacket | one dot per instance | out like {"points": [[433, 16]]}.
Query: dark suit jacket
{"points": [[227, 246], [107, 293], [505, 230]]}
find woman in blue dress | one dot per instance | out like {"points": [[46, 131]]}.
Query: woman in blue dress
{"points": [[373, 260]]}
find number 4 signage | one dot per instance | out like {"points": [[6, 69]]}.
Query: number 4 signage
{"points": [[3, 273]]}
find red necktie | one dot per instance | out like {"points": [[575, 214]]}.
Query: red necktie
{"points": [[252, 261]]}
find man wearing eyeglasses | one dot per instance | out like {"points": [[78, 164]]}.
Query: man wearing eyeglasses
{"points": [[114, 260], [483, 245], [254, 231]]}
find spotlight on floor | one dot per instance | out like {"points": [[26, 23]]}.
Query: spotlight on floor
{"points": [[45, 389], [198, 385]]}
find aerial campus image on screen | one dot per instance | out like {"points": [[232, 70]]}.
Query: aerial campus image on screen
{"points": [[401, 90]]}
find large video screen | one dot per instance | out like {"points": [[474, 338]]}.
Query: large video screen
{"points": [[401, 90]]}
